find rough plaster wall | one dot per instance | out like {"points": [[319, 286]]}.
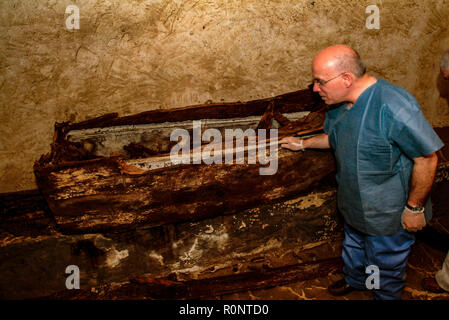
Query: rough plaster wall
{"points": [[133, 56]]}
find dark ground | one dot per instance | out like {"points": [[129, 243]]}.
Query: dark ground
{"points": [[424, 261]]}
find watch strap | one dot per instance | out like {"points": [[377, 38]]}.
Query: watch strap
{"points": [[416, 209]]}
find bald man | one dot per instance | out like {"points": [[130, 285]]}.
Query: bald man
{"points": [[386, 164]]}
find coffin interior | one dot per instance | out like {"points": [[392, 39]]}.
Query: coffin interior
{"points": [[155, 137]]}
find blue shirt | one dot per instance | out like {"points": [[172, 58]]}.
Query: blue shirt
{"points": [[374, 143]]}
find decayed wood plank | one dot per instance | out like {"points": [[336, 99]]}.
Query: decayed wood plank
{"points": [[88, 192], [267, 118], [25, 213], [166, 289], [272, 235], [64, 150], [206, 288], [284, 121], [301, 100], [97, 195]]}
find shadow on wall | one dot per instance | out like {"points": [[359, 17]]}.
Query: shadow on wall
{"points": [[443, 88]]}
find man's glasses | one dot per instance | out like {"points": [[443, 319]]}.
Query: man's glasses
{"points": [[322, 82]]}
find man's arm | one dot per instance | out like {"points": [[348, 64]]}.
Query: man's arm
{"points": [[320, 141], [423, 174]]}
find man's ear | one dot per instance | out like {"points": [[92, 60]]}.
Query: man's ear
{"points": [[348, 79]]}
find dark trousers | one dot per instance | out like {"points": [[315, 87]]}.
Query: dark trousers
{"points": [[386, 253]]}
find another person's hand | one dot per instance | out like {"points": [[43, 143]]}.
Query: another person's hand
{"points": [[292, 143], [413, 221]]}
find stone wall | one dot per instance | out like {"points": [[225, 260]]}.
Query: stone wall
{"points": [[133, 56]]}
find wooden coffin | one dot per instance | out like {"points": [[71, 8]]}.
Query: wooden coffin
{"points": [[112, 173]]}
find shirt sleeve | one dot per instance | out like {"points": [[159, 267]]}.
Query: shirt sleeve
{"points": [[411, 131]]}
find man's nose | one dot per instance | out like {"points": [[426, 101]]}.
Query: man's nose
{"points": [[316, 87]]}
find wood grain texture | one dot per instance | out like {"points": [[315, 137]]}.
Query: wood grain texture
{"points": [[91, 193]]}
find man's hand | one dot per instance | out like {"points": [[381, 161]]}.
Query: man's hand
{"points": [[424, 169], [413, 221], [292, 143], [320, 141]]}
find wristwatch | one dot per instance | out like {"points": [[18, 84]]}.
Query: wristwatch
{"points": [[417, 209]]}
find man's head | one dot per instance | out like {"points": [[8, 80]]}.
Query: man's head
{"points": [[444, 65], [335, 70]]}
